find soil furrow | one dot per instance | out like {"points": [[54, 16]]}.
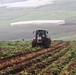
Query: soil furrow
{"points": [[26, 57]]}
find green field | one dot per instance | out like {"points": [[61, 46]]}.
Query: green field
{"points": [[9, 48], [61, 61], [73, 37], [14, 39], [60, 10]]}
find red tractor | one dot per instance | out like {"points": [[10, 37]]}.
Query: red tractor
{"points": [[41, 39]]}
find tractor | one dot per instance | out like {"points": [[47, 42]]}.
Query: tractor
{"points": [[41, 39]]}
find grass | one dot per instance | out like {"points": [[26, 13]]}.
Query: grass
{"points": [[60, 10], [65, 10], [71, 37], [14, 16]]}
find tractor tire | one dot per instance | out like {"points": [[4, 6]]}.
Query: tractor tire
{"points": [[33, 44], [46, 44]]}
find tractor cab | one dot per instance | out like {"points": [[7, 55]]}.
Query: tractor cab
{"points": [[40, 33]]}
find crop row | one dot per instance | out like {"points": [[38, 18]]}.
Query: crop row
{"points": [[36, 68], [10, 48], [20, 66], [58, 67]]}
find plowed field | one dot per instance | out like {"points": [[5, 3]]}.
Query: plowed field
{"points": [[59, 59]]}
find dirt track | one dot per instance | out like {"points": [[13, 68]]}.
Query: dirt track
{"points": [[29, 61]]}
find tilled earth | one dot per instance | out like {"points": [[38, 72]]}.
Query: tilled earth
{"points": [[37, 62]]}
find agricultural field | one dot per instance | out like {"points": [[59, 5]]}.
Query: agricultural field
{"points": [[19, 58], [9, 48]]}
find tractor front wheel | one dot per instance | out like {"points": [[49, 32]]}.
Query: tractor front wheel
{"points": [[46, 44], [33, 44]]}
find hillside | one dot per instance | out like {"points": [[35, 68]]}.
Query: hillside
{"points": [[60, 10]]}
